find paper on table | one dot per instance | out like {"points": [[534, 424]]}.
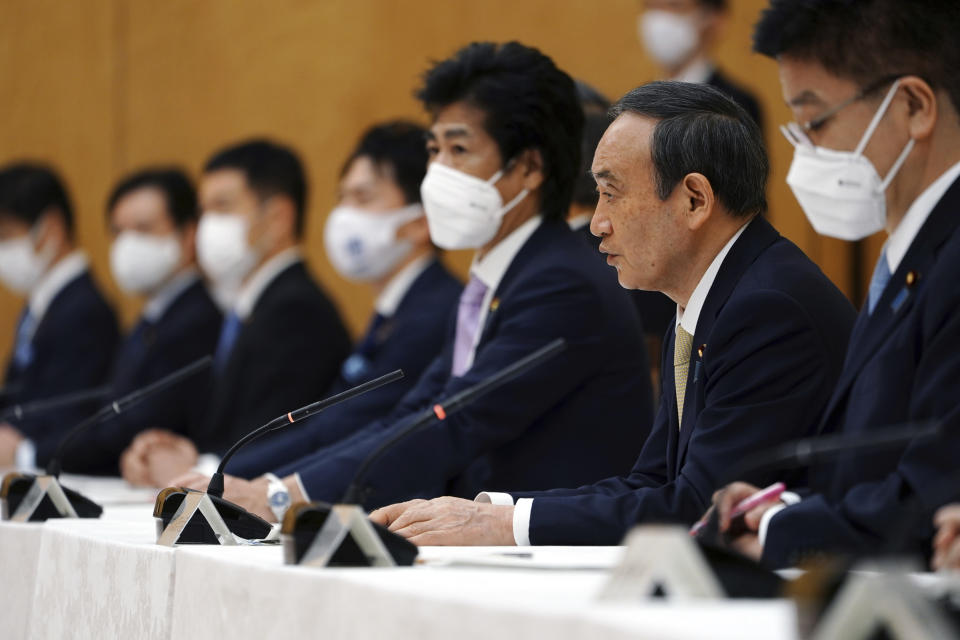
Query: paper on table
{"points": [[540, 558]]}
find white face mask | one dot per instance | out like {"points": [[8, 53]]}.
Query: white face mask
{"points": [[364, 246], [21, 266], [142, 262], [841, 192], [463, 212], [222, 248], [668, 37]]}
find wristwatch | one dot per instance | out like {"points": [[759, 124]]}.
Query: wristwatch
{"points": [[277, 496]]}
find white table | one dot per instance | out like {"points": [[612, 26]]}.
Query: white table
{"points": [[107, 578]]}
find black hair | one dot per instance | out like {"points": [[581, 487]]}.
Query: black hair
{"points": [[397, 146], [178, 192], [528, 104], [701, 130], [866, 40], [271, 169], [28, 190], [585, 191]]}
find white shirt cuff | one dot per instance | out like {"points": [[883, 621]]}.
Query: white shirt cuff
{"points": [[786, 499], [207, 464], [26, 455], [494, 497], [521, 522], [303, 489]]}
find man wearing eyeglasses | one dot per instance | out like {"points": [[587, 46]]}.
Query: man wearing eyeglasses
{"points": [[874, 89]]}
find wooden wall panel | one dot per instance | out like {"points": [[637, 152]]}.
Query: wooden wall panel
{"points": [[128, 83]]}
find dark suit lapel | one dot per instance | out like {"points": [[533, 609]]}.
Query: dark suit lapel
{"points": [[754, 240], [898, 298]]}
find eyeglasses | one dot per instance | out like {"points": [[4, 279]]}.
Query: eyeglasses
{"points": [[796, 132]]}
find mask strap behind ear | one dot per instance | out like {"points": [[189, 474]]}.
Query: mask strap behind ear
{"points": [[878, 116], [896, 165]]}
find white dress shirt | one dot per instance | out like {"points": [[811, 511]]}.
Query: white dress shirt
{"points": [[687, 318], [160, 301], [71, 267], [896, 248]]}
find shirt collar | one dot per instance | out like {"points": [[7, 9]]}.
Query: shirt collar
{"points": [[697, 72], [71, 267], [902, 237], [491, 269], [393, 293], [158, 304], [687, 318], [251, 291]]}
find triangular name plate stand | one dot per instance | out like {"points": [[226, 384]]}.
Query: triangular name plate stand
{"points": [[196, 501], [43, 486], [888, 600], [347, 520], [664, 558]]}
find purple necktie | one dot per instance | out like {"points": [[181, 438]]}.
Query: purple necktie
{"points": [[468, 319]]}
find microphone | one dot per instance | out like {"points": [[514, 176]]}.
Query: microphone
{"points": [[216, 481], [342, 535], [356, 494], [235, 519], [42, 497], [19, 411], [809, 451]]}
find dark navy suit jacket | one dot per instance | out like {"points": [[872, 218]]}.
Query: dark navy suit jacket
{"points": [[767, 352], [582, 416], [187, 330], [73, 348], [408, 340], [903, 365], [287, 353]]}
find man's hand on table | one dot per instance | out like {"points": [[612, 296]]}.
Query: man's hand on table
{"points": [[10, 439], [449, 522], [155, 457]]}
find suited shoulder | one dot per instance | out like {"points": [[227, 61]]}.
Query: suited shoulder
{"points": [[784, 267], [555, 252], [83, 303]]}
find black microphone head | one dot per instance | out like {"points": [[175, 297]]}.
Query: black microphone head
{"points": [[241, 522], [303, 522], [15, 487]]}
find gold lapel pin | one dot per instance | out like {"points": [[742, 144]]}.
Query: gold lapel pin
{"points": [[494, 304], [700, 351], [912, 277]]}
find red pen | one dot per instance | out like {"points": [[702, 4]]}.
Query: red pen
{"points": [[771, 493]]}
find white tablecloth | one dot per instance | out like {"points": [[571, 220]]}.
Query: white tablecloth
{"points": [[107, 578]]}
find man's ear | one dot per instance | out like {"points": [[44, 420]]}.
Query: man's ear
{"points": [[281, 215], [531, 163], [697, 198], [922, 107]]}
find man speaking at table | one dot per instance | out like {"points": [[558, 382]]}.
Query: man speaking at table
{"points": [[504, 150], [757, 342]]}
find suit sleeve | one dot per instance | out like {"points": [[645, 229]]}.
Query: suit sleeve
{"points": [[545, 308], [893, 513], [763, 373]]}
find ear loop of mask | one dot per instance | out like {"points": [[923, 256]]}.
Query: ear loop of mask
{"points": [[520, 196], [872, 127]]}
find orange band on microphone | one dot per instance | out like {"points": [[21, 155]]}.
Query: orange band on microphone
{"points": [[290, 417], [437, 409]]}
